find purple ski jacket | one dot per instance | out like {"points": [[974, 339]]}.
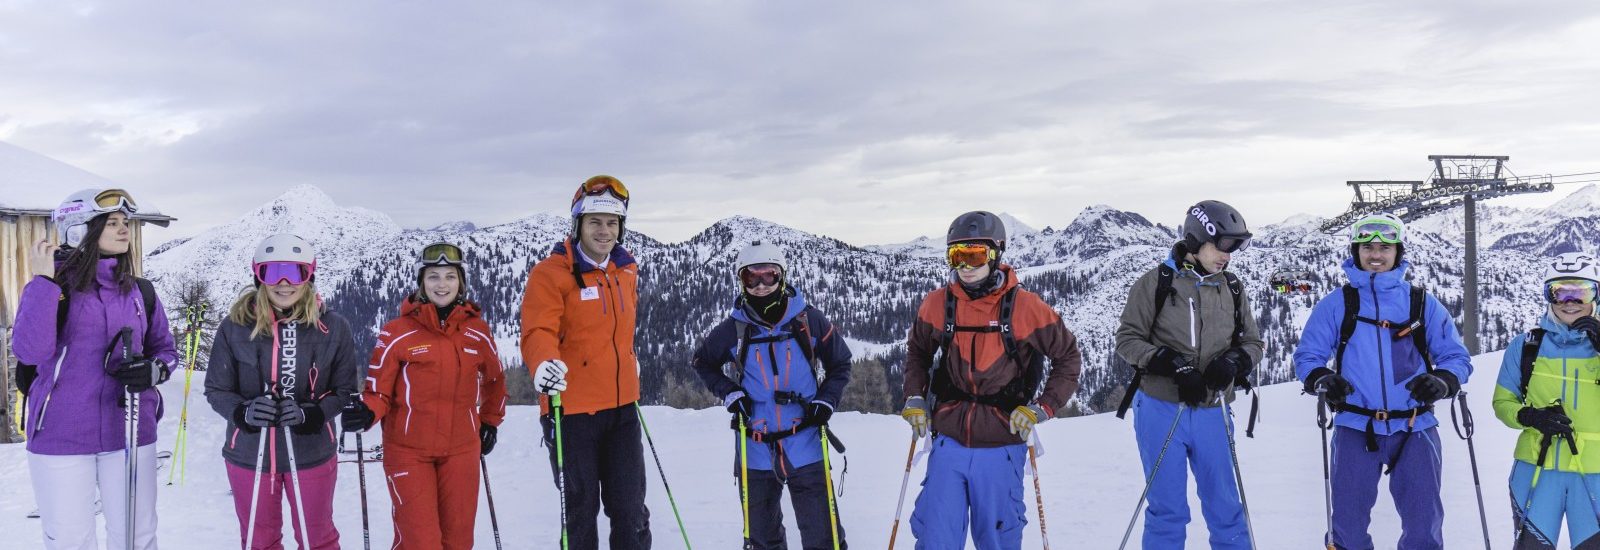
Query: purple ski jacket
{"points": [[73, 404]]}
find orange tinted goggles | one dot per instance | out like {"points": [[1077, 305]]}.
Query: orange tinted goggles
{"points": [[602, 184], [970, 255]]}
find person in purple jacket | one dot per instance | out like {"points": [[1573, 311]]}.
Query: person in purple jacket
{"points": [[81, 299]]}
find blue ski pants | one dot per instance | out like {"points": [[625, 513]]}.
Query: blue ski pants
{"points": [[980, 484], [1414, 484], [1558, 493], [1200, 442]]}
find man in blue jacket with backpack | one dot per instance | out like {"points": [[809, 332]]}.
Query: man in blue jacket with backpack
{"points": [[1381, 353]]}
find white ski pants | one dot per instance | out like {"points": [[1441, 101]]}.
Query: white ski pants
{"points": [[65, 488]]}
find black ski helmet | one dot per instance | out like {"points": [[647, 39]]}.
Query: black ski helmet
{"points": [[1214, 222], [977, 226]]}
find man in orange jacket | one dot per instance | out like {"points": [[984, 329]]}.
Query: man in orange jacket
{"points": [[577, 336]]}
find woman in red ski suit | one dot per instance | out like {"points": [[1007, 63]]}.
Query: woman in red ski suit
{"points": [[436, 382]]}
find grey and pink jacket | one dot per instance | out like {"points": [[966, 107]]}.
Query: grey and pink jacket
{"points": [[74, 405], [314, 364]]}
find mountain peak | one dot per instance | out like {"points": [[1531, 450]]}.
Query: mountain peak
{"points": [[305, 194], [1583, 202], [1014, 226]]}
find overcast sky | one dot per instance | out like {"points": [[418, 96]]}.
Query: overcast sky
{"points": [[872, 122]]}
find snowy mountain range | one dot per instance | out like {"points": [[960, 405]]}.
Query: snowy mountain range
{"points": [[1083, 269]]}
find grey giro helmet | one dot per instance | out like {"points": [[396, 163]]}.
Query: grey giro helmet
{"points": [[977, 226], [1217, 223]]}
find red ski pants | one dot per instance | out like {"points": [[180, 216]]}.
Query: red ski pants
{"points": [[435, 498]]}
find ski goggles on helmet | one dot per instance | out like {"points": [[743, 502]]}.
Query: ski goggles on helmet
{"points": [[1232, 243], [755, 275], [970, 255], [112, 200], [602, 184], [441, 254], [1377, 230], [294, 273], [1561, 291]]}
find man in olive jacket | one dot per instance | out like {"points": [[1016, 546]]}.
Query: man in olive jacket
{"points": [[1194, 341]]}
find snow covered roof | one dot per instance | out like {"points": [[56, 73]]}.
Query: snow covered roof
{"points": [[21, 168]]}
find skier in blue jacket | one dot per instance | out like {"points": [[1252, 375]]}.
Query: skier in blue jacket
{"points": [[1383, 387], [774, 339]]}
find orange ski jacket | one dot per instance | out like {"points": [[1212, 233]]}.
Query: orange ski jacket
{"points": [[584, 315]]}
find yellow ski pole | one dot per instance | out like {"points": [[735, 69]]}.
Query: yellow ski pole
{"points": [[827, 476]]}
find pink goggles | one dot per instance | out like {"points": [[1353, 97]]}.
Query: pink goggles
{"points": [[294, 273]]}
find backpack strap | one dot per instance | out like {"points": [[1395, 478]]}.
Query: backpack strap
{"points": [[1347, 327], [1418, 327], [942, 386], [741, 331], [1164, 294], [147, 291], [1530, 353], [1236, 288]]}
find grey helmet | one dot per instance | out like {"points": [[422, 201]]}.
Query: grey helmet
{"points": [[1214, 222], [977, 226]]}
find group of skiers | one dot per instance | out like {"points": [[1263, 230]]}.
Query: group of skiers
{"points": [[987, 361]]}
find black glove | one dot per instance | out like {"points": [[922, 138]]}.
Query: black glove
{"points": [[487, 435], [1551, 420], [1165, 362], [1590, 327], [1227, 369], [1429, 387], [1191, 383], [818, 412], [141, 374], [302, 418], [1330, 385], [740, 404], [356, 417], [26, 374], [257, 413]]}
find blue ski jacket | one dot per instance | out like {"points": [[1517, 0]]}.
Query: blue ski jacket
{"points": [[1377, 364]]}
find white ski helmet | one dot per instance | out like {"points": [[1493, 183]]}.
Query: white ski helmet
{"points": [[600, 195], [284, 247], [1573, 265], [73, 215], [760, 253]]}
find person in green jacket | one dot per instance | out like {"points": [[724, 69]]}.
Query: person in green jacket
{"points": [[1547, 377]]}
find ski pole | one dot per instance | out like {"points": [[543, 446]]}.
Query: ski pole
{"points": [[130, 433], [561, 466], [1038, 495], [1533, 485], [1152, 477], [1464, 430], [639, 410], [904, 480], [1238, 476], [361, 474], [494, 522], [1323, 426], [255, 486], [744, 482], [191, 350], [294, 479], [827, 478]]}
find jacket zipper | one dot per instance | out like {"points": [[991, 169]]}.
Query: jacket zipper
{"points": [[616, 325], [1377, 335], [54, 379]]}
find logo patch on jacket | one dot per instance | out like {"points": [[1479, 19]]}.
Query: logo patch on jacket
{"points": [[470, 351], [589, 293], [419, 350]]}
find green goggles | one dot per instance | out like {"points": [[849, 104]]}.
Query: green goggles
{"points": [[1381, 231]]}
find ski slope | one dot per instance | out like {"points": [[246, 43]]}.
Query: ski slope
{"points": [[1089, 472]]}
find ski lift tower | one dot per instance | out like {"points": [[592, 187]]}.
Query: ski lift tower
{"points": [[1457, 180]]}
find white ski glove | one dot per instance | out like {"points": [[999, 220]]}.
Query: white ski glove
{"points": [[1024, 418], [551, 377], [916, 414]]}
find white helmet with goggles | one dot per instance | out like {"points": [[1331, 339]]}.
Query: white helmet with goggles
{"points": [[73, 215]]}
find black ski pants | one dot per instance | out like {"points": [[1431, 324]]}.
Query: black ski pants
{"points": [[604, 465], [808, 493]]}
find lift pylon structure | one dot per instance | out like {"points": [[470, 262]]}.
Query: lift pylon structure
{"points": [[1457, 180]]}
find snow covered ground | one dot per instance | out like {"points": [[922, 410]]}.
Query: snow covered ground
{"points": [[1090, 474]]}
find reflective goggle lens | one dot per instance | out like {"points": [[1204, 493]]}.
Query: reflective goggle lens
{"points": [[441, 254], [1380, 231], [760, 275], [115, 199], [294, 273], [969, 255], [602, 184], [1232, 244], [1571, 290]]}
